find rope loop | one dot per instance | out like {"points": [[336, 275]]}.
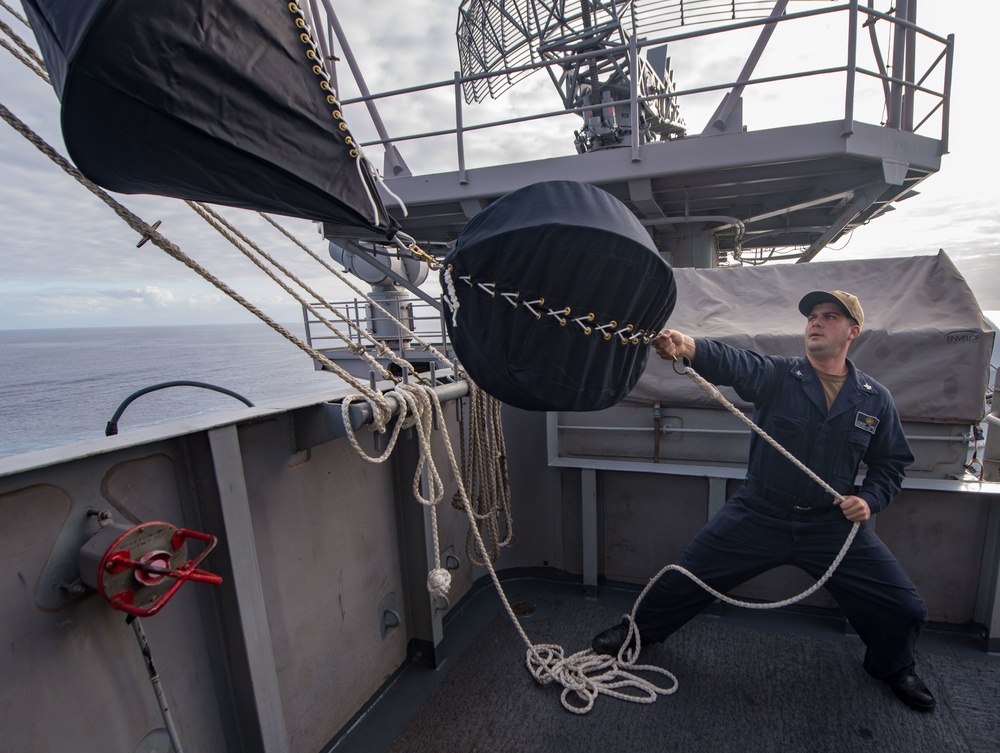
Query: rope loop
{"points": [[585, 675]]}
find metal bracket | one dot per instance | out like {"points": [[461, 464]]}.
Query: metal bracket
{"points": [[388, 617]]}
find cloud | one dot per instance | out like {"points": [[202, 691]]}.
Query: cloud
{"points": [[66, 258], [153, 296]]}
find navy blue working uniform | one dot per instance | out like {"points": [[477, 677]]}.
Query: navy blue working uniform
{"points": [[780, 516]]}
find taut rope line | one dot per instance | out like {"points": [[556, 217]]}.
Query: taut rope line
{"points": [[35, 63], [347, 281], [227, 230], [381, 409], [380, 406], [14, 13], [713, 392]]}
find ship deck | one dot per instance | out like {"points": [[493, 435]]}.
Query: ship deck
{"points": [[749, 680]]}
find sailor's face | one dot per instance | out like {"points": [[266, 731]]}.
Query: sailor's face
{"points": [[829, 330]]}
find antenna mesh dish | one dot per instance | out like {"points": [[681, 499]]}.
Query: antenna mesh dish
{"points": [[498, 35]]}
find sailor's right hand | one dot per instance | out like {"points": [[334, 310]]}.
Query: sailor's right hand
{"points": [[671, 344]]}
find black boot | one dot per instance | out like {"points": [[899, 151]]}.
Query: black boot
{"points": [[908, 688], [611, 640]]}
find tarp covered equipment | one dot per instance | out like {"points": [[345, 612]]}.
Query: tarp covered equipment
{"points": [[924, 337]]}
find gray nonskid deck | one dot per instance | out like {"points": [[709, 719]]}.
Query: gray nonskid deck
{"points": [[748, 681]]}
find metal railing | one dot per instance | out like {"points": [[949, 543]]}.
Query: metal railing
{"points": [[418, 317], [908, 100]]}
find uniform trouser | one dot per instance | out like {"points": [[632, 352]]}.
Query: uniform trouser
{"points": [[870, 586]]}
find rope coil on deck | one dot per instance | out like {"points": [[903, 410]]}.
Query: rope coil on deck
{"points": [[588, 675]]}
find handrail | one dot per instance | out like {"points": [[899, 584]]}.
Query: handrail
{"points": [[902, 81], [424, 320]]}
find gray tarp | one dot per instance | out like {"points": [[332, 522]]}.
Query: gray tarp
{"points": [[924, 337]]}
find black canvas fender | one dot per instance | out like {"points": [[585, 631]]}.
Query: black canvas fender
{"points": [[553, 293]]}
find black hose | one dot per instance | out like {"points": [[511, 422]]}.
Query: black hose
{"points": [[112, 427]]}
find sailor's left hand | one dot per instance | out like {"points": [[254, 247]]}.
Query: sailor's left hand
{"points": [[854, 508]]}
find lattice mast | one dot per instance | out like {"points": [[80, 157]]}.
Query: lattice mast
{"points": [[586, 43]]}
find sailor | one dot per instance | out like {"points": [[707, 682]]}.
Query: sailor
{"points": [[831, 416]]}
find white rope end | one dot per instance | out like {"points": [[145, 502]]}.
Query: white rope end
{"points": [[451, 297], [439, 582]]}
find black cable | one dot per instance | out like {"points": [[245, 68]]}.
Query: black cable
{"points": [[112, 427]]}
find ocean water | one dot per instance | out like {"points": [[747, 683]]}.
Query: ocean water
{"points": [[60, 386]]}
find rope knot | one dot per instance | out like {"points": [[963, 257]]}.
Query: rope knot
{"points": [[439, 582]]}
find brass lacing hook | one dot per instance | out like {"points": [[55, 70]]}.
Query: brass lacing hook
{"points": [[420, 254]]}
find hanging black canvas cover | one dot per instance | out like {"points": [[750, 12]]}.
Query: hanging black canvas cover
{"points": [[552, 295], [206, 100]]}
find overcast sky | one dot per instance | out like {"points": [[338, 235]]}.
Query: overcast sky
{"points": [[66, 260]]}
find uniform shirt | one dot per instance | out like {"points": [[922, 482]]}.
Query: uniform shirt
{"points": [[789, 404]]}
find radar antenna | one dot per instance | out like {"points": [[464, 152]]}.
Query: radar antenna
{"points": [[588, 41]]}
